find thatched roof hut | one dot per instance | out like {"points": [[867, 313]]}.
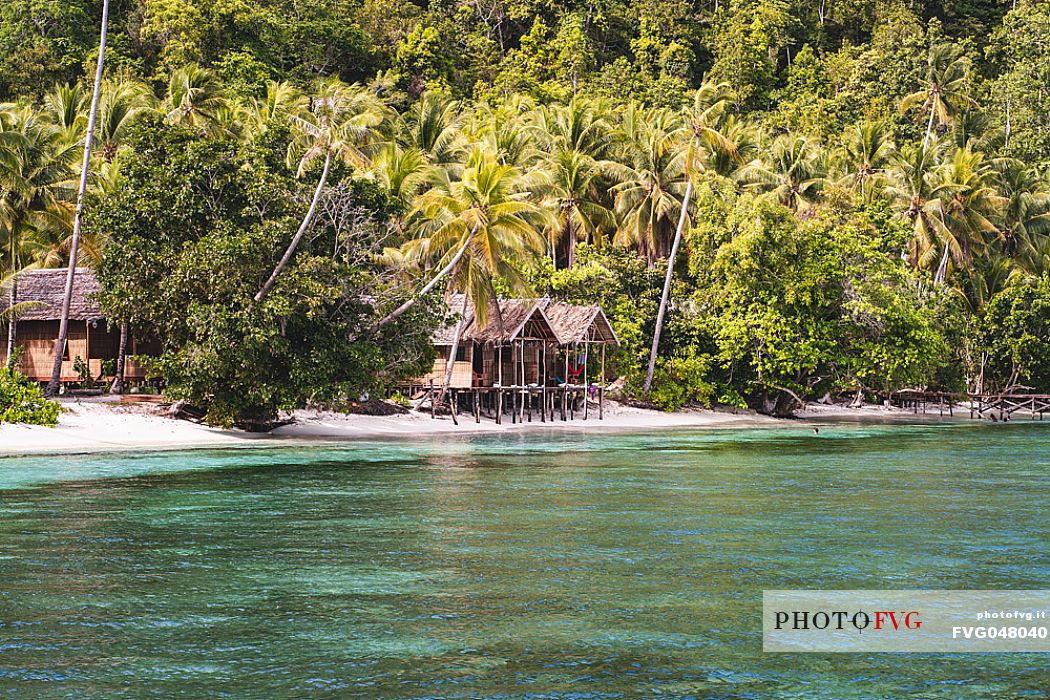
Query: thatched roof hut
{"points": [[506, 321], [510, 320], [576, 324], [47, 288]]}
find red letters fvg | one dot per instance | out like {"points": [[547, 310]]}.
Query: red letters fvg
{"points": [[889, 618]]}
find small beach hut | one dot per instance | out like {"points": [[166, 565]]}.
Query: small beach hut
{"points": [[90, 337], [580, 329], [509, 349]]}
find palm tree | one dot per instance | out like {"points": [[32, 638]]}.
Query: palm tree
{"points": [[864, 157], [793, 171], [431, 125], [64, 106], [195, 99], [340, 123], [36, 166], [911, 189], [579, 125], [571, 142], [486, 223], [704, 118], [281, 101], [504, 131], [737, 146], [975, 130], [648, 198], [1025, 214], [402, 171], [122, 104], [572, 188], [944, 92], [85, 168], [968, 202], [475, 227]]}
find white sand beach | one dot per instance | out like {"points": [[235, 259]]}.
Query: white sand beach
{"points": [[104, 425]]}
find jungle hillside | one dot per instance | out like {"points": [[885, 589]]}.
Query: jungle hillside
{"points": [[773, 200]]}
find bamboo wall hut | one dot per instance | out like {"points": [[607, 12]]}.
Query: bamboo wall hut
{"points": [[523, 342], [508, 349], [90, 337], [581, 329]]}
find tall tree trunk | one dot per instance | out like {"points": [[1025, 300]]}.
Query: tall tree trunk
{"points": [[78, 219], [117, 387], [570, 257], [287, 257], [667, 283], [12, 320], [929, 131], [450, 366], [425, 290], [942, 268]]}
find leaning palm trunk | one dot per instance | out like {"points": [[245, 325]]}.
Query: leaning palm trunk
{"points": [[287, 257], [78, 219], [12, 320], [929, 130], [117, 387], [450, 366], [667, 284], [942, 268], [425, 290]]}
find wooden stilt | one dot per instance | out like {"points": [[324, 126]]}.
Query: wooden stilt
{"points": [[601, 388]]}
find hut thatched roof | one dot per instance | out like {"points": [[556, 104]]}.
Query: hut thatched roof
{"points": [[579, 323], [506, 320], [48, 287], [513, 320], [542, 319]]}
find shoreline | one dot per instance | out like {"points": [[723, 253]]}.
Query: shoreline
{"points": [[105, 425]]}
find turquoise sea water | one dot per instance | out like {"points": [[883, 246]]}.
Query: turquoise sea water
{"points": [[539, 566]]}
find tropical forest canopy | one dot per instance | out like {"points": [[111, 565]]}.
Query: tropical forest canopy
{"points": [[275, 185]]}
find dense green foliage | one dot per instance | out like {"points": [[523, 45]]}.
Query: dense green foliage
{"points": [[871, 206], [193, 227], [22, 401]]}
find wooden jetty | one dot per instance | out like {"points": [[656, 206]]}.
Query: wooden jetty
{"points": [[1001, 406]]}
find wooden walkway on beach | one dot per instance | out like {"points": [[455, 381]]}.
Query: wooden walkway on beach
{"points": [[995, 407]]}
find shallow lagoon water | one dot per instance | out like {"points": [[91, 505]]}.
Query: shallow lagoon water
{"points": [[582, 565]]}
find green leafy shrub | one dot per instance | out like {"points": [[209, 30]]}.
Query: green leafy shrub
{"points": [[22, 401], [682, 380]]}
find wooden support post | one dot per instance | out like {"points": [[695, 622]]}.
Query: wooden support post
{"points": [[452, 404], [601, 388], [477, 405], [521, 407], [543, 382], [433, 408], [586, 384]]}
